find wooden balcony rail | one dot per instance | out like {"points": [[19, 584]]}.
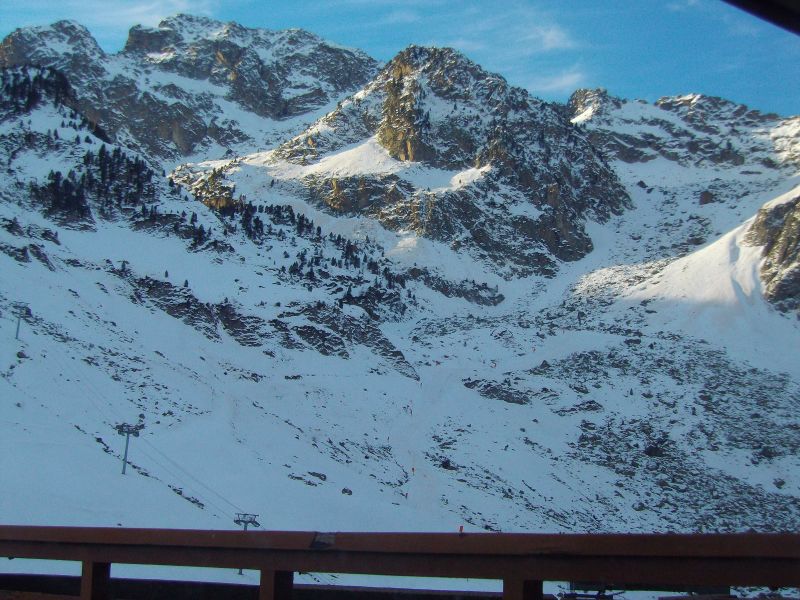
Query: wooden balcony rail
{"points": [[521, 561]]}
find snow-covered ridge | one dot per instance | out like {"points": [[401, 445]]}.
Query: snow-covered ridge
{"points": [[688, 129], [188, 31], [193, 85]]}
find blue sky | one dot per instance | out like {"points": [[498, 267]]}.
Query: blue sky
{"points": [[634, 48]]}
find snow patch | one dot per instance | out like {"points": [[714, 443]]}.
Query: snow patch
{"points": [[370, 158]]}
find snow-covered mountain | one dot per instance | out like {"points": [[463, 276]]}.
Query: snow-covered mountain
{"points": [[193, 85], [372, 324], [437, 146]]}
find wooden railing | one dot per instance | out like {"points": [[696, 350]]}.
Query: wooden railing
{"points": [[521, 561]]}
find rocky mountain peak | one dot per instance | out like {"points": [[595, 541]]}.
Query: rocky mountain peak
{"points": [[446, 73], [143, 39], [190, 26], [586, 104], [275, 74], [134, 94], [522, 178], [65, 45], [689, 129], [427, 60], [423, 88], [185, 31]]}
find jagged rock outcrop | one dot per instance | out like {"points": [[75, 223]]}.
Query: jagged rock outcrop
{"points": [[146, 96], [595, 104], [777, 228]]}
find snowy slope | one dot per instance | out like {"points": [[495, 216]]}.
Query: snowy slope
{"points": [[716, 293], [285, 357]]}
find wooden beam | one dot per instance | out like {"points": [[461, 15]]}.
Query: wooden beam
{"points": [[657, 559], [732, 545], [736, 545], [522, 589], [95, 578], [276, 585]]}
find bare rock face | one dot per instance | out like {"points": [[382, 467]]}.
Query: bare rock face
{"points": [[777, 229], [401, 129], [524, 179], [146, 95]]}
